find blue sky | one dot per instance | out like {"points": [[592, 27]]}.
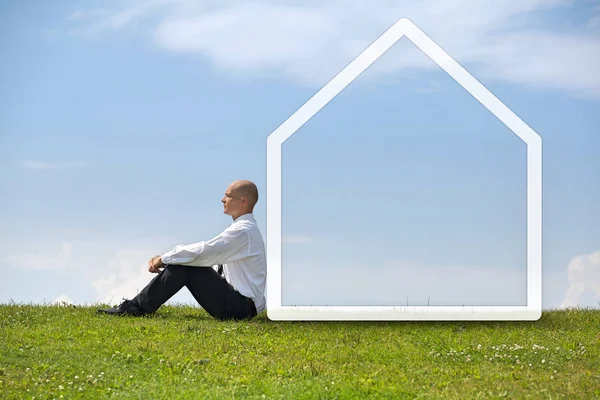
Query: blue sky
{"points": [[122, 123]]}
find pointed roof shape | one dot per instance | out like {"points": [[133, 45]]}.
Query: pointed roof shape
{"points": [[405, 27]]}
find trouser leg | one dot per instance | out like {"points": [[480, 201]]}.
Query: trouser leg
{"points": [[209, 289], [161, 288], [217, 296]]}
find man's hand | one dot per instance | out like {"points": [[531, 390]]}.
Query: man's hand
{"points": [[155, 264]]}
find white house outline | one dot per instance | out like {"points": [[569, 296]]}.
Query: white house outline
{"points": [[405, 27]]}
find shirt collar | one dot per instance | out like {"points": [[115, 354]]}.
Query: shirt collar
{"points": [[245, 217]]}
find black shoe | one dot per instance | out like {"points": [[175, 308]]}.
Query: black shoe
{"points": [[127, 307]]}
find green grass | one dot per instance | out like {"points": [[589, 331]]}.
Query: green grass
{"points": [[180, 352]]}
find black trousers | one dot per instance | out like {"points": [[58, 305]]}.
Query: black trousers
{"points": [[210, 290]]}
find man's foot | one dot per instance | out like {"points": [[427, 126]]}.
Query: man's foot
{"points": [[127, 307]]}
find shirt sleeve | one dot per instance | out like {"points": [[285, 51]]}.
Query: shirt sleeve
{"points": [[228, 246]]}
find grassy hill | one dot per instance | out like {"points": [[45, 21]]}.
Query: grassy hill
{"points": [[71, 352]]}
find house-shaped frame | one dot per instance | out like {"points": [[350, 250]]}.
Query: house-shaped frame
{"points": [[404, 27]]}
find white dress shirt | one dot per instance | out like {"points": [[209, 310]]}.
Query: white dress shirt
{"points": [[241, 250]]}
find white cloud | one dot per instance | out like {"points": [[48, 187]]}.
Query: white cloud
{"points": [[584, 279], [62, 299], [125, 274], [134, 12], [98, 20], [308, 42], [37, 259]]}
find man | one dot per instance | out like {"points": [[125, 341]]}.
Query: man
{"points": [[233, 291]]}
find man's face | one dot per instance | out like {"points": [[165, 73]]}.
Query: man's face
{"points": [[232, 202]]}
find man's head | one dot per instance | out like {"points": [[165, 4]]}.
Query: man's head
{"points": [[240, 198]]}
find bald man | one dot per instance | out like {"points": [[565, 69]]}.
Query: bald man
{"points": [[226, 274]]}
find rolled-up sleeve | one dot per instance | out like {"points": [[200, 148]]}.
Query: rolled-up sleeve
{"points": [[228, 246]]}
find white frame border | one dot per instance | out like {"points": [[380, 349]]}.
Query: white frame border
{"points": [[405, 27]]}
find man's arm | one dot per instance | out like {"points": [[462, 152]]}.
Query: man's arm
{"points": [[228, 246]]}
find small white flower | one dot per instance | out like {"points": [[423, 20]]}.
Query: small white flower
{"points": [[543, 361], [60, 387]]}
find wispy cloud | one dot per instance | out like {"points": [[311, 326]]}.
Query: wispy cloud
{"points": [[297, 239], [81, 14], [41, 165], [38, 165], [98, 20], [511, 41], [96, 268], [584, 279], [594, 21], [432, 87], [402, 283], [37, 259]]}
